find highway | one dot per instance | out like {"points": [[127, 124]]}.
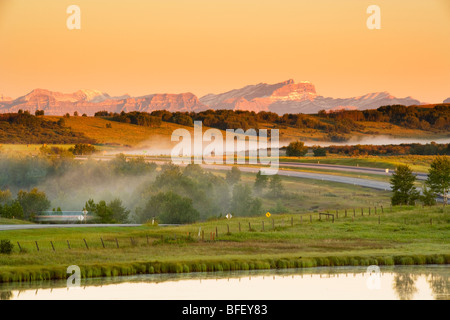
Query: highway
{"points": [[419, 175], [57, 226], [373, 184]]}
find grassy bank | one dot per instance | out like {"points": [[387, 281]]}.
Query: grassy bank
{"points": [[402, 237]]}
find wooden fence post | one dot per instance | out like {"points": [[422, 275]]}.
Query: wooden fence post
{"points": [[20, 248], [68, 244], [103, 244], [53, 247], [117, 241], [249, 227], [85, 242], [239, 226], [37, 246], [217, 233]]}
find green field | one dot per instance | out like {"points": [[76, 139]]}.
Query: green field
{"points": [[405, 235]]}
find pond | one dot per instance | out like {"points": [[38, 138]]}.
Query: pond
{"points": [[360, 283]]}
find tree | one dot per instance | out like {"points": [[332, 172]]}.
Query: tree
{"points": [[233, 176], [296, 149], [90, 206], [428, 197], [170, 208], [5, 196], [33, 202], [243, 203], [402, 182], [119, 212], [11, 211], [320, 152], [103, 213], [276, 186], [439, 177], [261, 182]]}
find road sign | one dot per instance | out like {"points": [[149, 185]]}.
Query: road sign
{"points": [[229, 216], [268, 215], [80, 218]]}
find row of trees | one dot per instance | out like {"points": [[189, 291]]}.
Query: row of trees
{"points": [[402, 149], [414, 117], [25, 128], [109, 213], [438, 184], [298, 149], [26, 206], [191, 194]]}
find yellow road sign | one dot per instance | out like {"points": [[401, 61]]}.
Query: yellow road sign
{"points": [[268, 215]]}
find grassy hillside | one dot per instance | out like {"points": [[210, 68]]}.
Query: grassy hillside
{"points": [[133, 135], [27, 129], [104, 132], [405, 235]]}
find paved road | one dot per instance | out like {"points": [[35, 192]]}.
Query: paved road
{"points": [[52, 226], [335, 167], [420, 176], [379, 185], [373, 184]]}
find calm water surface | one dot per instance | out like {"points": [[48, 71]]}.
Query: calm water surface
{"points": [[409, 282]]}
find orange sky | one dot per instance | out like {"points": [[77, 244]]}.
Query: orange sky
{"points": [[157, 46]]}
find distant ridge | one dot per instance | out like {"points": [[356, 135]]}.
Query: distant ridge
{"points": [[291, 97], [281, 98]]}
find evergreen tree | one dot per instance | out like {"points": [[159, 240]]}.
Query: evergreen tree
{"points": [[261, 182], [402, 183], [439, 177]]}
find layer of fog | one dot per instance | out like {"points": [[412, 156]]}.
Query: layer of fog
{"points": [[164, 147]]}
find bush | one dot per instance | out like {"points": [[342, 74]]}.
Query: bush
{"points": [[296, 149], [6, 247]]}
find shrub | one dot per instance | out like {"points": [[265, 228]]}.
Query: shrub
{"points": [[6, 247], [296, 149]]}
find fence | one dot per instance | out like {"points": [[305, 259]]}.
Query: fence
{"points": [[217, 232]]}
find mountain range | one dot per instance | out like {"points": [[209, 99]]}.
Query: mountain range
{"points": [[281, 98]]}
